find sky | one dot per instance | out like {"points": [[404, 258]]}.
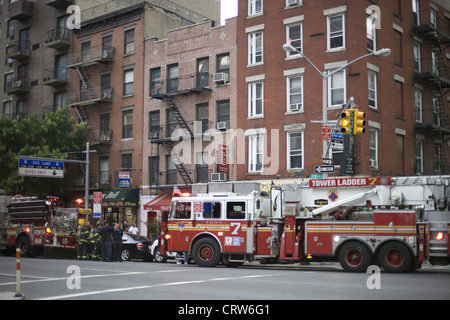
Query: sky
{"points": [[228, 9]]}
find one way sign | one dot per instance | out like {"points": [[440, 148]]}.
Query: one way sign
{"points": [[322, 169]]}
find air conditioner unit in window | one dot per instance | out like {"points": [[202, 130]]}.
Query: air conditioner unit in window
{"points": [[295, 107], [292, 2], [223, 125], [221, 77], [218, 177], [373, 163]]}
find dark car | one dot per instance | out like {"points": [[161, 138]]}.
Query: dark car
{"points": [[135, 247]]}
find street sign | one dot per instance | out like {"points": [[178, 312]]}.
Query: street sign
{"points": [[327, 161], [326, 132], [97, 205], [337, 141], [322, 169], [41, 168]]}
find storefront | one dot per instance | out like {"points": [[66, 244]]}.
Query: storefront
{"points": [[120, 206]]}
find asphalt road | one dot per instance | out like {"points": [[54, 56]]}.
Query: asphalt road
{"points": [[50, 279]]}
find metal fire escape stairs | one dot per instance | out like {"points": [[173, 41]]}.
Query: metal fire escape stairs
{"points": [[169, 143], [84, 75], [438, 35]]}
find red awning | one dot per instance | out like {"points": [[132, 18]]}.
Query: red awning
{"points": [[160, 203]]}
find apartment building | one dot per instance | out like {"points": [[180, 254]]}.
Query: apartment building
{"points": [[404, 95], [107, 91], [190, 107]]}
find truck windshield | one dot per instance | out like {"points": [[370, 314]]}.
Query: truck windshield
{"points": [[181, 210]]}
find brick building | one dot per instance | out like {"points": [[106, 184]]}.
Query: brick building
{"points": [[404, 95], [107, 91], [189, 105]]}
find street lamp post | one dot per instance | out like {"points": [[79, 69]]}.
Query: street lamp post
{"points": [[325, 75]]}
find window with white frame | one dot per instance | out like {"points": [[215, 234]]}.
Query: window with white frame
{"points": [[294, 93], [373, 103], [373, 147], [255, 7], [255, 99], [294, 37], [336, 91], [418, 104], [417, 57], [336, 32], [255, 153], [371, 33], [255, 47], [294, 150]]}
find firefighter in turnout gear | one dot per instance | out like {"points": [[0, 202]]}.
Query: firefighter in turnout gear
{"points": [[95, 243], [83, 241]]}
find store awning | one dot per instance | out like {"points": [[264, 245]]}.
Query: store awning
{"points": [[160, 203], [120, 198]]}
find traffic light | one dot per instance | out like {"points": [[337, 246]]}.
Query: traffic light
{"points": [[346, 122], [79, 201], [359, 122]]}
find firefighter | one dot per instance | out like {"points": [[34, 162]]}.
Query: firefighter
{"points": [[83, 241], [95, 245]]}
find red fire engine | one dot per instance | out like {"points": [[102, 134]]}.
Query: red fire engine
{"points": [[33, 224], [396, 223]]}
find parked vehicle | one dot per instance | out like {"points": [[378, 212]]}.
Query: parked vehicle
{"points": [[136, 247], [156, 253]]}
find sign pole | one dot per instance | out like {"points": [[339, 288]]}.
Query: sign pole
{"points": [[18, 293], [86, 179]]}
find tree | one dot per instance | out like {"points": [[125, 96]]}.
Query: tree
{"points": [[53, 137]]}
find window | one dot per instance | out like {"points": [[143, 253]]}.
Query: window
{"points": [[8, 110], [336, 91], [417, 57], [61, 67], [255, 99], [172, 78], [153, 170], [415, 9], [128, 79], [223, 63], [11, 31], [371, 34], [255, 153], [372, 89], [9, 79], [418, 104], [59, 100], [290, 3], [399, 97], [201, 167], [127, 160], [236, 210], [202, 72], [107, 44], [255, 7], [155, 81], [400, 149], [295, 93], [154, 125], [437, 110], [105, 80], [294, 37], [336, 32], [22, 109], [211, 210], [419, 156], [24, 39], [129, 41], [223, 111], [104, 125], [373, 147], [182, 210], [295, 150], [171, 172], [127, 127], [255, 48], [202, 118], [104, 170], [398, 51], [86, 51]]}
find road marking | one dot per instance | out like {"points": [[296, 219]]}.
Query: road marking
{"points": [[82, 294], [118, 273]]}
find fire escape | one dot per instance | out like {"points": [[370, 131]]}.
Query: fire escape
{"points": [[171, 92], [434, 73], [89, 95]]}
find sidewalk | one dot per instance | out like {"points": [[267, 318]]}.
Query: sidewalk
{"points": [[10, 296]]}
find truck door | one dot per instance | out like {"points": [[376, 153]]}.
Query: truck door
{"points": [[235, 239], [180, 226]]}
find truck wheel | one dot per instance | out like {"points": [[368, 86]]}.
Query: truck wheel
{"points": [[395, 257], [158, 256], [24, 246], [206, 252], [354, 257]]}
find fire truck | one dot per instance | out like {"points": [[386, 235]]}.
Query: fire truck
{"points": [[33, 224], [397, 223]]}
